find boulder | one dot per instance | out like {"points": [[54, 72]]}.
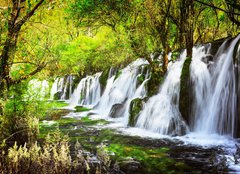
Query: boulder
{"points": [[136, 106], [117, 110]]}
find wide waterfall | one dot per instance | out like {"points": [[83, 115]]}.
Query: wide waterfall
{"points": [[215, 106], [214, 92]]}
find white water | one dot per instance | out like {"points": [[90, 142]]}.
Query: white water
{"points": [[122, 90], [58, 86], [161, 113], [63, 86], [214, 105], [87, 93], [215, 93]]}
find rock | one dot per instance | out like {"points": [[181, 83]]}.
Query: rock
{"points": [[236, 58], [136, 106], [186, 99], [117, 110], [207, 59], [103, 79], [129, 166], [57, 95]]}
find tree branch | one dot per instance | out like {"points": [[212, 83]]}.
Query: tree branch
{"points": [[38, 69], [28, 15], [218, 8]]}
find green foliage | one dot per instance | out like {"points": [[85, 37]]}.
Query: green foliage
{"points": [[81, 109], [153, 160]]}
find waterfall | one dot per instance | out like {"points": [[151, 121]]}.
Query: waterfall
{"points": [[122, 89], [161, 114], [54, 88], [57, 87], [63, 87], [215, 92], [87, 93]]}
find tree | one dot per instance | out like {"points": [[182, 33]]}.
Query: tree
{"points": [[16, 14]]}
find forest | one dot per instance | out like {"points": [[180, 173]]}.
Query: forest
{"points": [[119, 86]]}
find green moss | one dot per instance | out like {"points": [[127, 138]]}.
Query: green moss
{"points": [[57, 96], [119, 72], [153, 160], [185, 88], [89, 122], [140, 78], [136, 106], [175, 55], [56, 104], [104, 77], [81, 109], [153, 84]]}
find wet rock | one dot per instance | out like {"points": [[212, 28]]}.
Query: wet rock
{"points": [[103, 79], [136, 106], [57, 95], [117, 110], [186, 98], [207, 59], [129, 166]]}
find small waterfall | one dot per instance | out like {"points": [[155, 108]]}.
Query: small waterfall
{"points": [[88, 92], [57, 87], [63, 87], [121, 90], [161, 113], [215, 92], [67, 88], [54, 88]]}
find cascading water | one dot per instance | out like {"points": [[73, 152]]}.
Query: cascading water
{"points": [[62, 86], [122, 90], [57, 87], [215, 92], [161, 113], [88, 92]]}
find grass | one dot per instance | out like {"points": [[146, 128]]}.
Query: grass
{"points": [[81, 109]]}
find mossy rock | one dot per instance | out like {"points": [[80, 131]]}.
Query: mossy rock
{"points": [[103, 79], [57, 95], [119, 72], [185, 100], [136, 106], [140, 79], [76, 81], [152, 85]]}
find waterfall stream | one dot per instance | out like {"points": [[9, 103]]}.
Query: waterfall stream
{"points": [[87, 92], [213, 80], [161, 113], [215, 92], [122, 90]]}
